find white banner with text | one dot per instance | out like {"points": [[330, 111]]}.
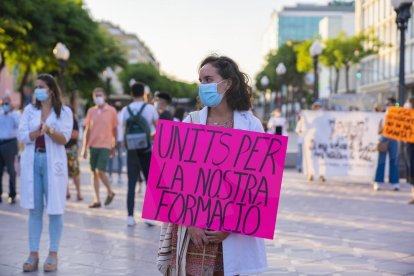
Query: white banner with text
{"points": [[340, 143]]}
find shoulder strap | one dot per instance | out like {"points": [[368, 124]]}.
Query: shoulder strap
{"points": [[138, 113], [130, 111], [195, 117], [142, 109]]}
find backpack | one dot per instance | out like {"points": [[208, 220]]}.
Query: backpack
{"points": [[137, 131]]}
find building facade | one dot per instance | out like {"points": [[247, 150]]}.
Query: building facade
{"points": [[300, 22], [136, 50], [379, 73], [330, 27]]}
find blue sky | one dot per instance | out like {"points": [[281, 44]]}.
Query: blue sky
{"points": [[181, 33]]}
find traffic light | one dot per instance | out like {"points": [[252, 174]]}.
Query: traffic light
{"points": [[358, 74]]}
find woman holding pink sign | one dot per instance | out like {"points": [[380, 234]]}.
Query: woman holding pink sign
{"points": [[225, 93]]}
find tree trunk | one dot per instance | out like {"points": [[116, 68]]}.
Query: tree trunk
{"points": [[3, 61], [22, 84], [347, 78], [336, 80]]}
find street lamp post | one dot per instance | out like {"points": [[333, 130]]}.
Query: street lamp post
{"points": [[402, 8], [62, 54], [108, 74], [315, 50], [264, 81], [280, 71]]}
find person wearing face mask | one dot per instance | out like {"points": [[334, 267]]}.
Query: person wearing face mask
{"points": [[45, 128], [9, 122], [100, 136], [226, 96]]}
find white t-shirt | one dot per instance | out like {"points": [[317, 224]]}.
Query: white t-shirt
{"points": [[149, 113]]}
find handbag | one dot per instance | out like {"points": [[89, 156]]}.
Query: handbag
{"points": [[382, 146]]}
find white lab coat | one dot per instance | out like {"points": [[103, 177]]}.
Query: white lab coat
{"points": [[241, 254], [56, 158]]}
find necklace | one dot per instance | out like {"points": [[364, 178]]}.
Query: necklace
{"points": [[228, 124]]}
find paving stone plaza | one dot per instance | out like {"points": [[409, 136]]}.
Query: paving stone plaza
{"points": [[339, 227]]}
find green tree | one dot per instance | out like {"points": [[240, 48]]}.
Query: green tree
{"points": [[304, 60], [37, 25], [150, 75], [329, 59], [287, 55], [351, 50]]}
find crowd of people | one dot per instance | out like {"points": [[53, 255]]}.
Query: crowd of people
{"points": [[48, 132]]}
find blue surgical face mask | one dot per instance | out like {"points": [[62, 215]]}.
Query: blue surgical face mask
{"points": [[41, 94], [209, 94], [6, 108]]}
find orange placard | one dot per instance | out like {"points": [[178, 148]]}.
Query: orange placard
{"points": [[399, 124]]}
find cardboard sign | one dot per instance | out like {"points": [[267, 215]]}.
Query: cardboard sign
{"points": [[215, 178], [340, 143], [399, 124]]}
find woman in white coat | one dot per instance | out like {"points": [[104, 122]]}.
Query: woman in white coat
{"points": [[225, 93], [44, 129]]}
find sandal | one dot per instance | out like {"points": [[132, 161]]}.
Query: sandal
{"points": [[95, 205], [50, 264], [31, 264], [109, 199]]}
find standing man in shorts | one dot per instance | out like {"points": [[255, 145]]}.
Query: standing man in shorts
{"points": [[100, 138]]}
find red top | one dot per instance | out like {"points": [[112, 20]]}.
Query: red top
{"points": [[40, 142]]}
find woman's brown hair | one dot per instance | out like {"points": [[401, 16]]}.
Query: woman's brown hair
{"points": [[239, 95], [55, 94]]}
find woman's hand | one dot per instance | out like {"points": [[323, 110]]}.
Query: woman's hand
{"points": [[34, 134], [198, 237], [216, 236]]}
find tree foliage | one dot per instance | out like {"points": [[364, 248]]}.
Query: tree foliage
{"points": [[339, 52], [304, 61], [285, 54], [150, 75], [30, 30]]}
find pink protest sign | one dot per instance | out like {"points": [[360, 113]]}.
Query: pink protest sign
{"points": [[215, 178]]}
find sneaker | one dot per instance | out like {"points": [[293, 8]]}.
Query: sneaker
{"points": [[50, 264], [396, 186], [131, 221], [376, 186], [120, 180], [110, 179], [95, 204], [12, 200], [109, 199], [31, 264]]}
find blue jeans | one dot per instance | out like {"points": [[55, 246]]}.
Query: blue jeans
{"points": [[36, 214], [118, 154], [394, 165]]}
